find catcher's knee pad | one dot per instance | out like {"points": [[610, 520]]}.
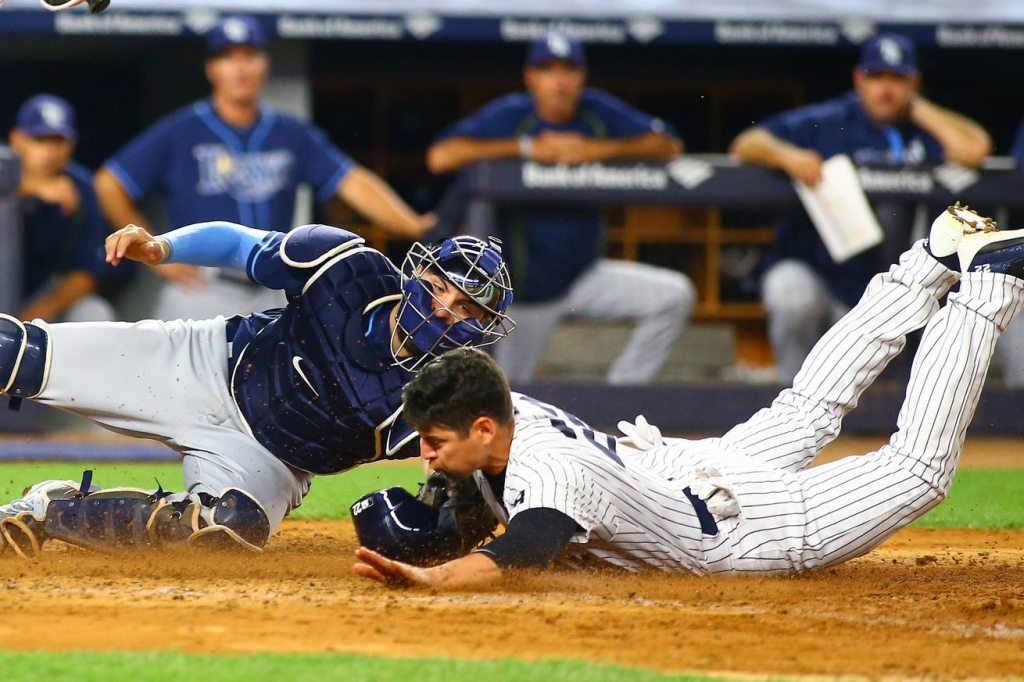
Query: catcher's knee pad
{"points": [[24, 357], [236, 521]]}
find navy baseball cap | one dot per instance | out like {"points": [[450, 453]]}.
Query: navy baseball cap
{"points": [[889, 52], [556, 45], [47, 115], [235, 31]]}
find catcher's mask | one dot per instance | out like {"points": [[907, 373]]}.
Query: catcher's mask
{"points": [[477, 269]]}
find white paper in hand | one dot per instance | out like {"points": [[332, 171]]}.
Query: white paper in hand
{"points": [[840, 211]]}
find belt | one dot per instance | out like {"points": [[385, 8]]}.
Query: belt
{"points": [[231, 326], [708, 525]]}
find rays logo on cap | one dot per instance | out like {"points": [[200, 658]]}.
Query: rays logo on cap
{"points": [[559, 45], [890, 52], [236, 31], [53, 115]]}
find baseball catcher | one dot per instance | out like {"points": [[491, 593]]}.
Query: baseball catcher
{"points": [[259, 404]]}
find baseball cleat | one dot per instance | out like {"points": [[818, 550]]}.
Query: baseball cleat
{"points": [[21, 520], [949, 229], [999, 252]]}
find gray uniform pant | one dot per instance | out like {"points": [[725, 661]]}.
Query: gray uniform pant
{"points": [[167, 381], [221, 295], [800, 309], [659, 300]]}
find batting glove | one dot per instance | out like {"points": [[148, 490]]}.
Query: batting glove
{"points": [[640, 434], [716, 492]]}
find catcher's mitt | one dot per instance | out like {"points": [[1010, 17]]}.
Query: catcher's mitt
{"points": [[461, 508]]}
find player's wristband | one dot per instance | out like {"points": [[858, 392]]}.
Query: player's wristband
{"points": [[526, 147]]}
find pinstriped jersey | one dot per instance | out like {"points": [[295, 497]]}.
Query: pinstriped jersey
{"points": [[629, 505]]}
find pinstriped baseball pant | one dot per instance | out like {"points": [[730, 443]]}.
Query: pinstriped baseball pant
{"points": [[794, 518]]}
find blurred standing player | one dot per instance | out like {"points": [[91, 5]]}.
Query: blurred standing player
{"points": [[256, 405], [65, 276], [554, 254], [884, 120], [1011, 344], [746, 502], [231, 158]]}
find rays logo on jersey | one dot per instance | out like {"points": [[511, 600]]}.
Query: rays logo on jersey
{"points": [[252, 176]]}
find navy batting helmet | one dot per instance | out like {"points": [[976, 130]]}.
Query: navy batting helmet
{"points": [[396, 524], [478, 270]]}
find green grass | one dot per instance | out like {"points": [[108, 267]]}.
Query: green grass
{"points": [[329, 498], [164, 666], [980, 498]]}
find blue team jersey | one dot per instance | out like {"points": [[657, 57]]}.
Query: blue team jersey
{"points": [[315, 381], [55, 244], [208, 170], [840, 126], [547, 248]]}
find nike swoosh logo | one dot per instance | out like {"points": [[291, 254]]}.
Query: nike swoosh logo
{"points": [[302, 375]]}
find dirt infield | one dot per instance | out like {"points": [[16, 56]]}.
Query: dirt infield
{"points": [[927, 604]]}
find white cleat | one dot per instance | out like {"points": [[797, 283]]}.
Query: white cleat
{"points": [[952, 226], [999, 252], [30, 510]]}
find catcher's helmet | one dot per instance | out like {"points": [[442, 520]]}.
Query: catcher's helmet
{"points": [[396, 524], [478, 270]]}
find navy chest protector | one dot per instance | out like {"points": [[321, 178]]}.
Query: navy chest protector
{"points": [[309, 385]]}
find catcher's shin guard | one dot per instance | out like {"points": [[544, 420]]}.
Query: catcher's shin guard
{"points": [[111, 520], [237, 521], [24, 358]]}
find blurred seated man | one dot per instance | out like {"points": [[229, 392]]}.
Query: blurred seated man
{"points": [[883, 120], [1010, 351], [555, 254], [65, 276]]}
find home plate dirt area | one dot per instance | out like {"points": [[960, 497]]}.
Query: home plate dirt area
{"points": [[926, 604]]}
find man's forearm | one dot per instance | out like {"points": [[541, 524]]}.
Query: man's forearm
{"points": [[70, 288], [117, 205], [963, 140], [456, 152], [377, 202], [472, 570], [647, 146], [213, 244], [759, 147]]}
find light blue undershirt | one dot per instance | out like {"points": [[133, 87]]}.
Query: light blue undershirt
{"points": [[214, 244]]}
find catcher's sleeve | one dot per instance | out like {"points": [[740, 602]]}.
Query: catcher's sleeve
{"points": [[533, 539]]}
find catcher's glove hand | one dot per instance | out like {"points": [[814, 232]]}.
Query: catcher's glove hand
{"points": [[462, 508]]}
